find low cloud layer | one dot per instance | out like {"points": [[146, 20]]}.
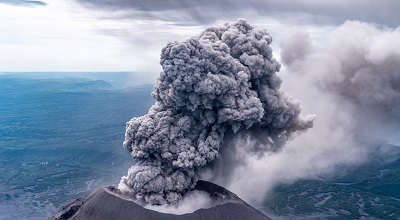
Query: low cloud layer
{"points": [[204, 12], [25, 3]]}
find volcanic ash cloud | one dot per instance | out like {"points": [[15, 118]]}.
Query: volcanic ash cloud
{"points": [[221, 81]]}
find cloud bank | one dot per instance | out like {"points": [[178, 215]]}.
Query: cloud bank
{"points": [[205, 12], [212, 87], [26, 3]]}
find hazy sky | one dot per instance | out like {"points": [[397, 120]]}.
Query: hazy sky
{"points": [[127, 35]]}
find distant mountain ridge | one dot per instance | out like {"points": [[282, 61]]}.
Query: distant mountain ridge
{"points": [[59, 85]]}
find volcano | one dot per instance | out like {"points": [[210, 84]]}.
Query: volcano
{"points": [[109, 203]]}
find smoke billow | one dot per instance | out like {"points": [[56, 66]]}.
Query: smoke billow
{"points": [[221, 82], [359, 65], [350, 79]]}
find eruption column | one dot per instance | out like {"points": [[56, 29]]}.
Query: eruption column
{"points": [[223, 80]]}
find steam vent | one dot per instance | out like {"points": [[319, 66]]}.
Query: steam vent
{"points": [[108, 203]]}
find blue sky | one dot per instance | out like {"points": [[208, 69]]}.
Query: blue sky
{"points": [[128, 35]]}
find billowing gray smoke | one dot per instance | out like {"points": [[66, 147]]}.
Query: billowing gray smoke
{"points": [[360, 63], [223, 80]]}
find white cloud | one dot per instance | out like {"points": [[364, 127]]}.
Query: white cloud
{"points": [[66, 37]]}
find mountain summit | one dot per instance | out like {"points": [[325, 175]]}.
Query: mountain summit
{"points": [[109, 203]]}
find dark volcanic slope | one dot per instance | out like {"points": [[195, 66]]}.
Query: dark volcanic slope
{"points": [[107, 203]]}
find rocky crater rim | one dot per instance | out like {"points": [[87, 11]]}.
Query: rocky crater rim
{"points": [[204, 196]]}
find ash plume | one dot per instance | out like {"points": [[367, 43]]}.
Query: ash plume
{"points": [[223, 80], [359, 65], [349, 77]]}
